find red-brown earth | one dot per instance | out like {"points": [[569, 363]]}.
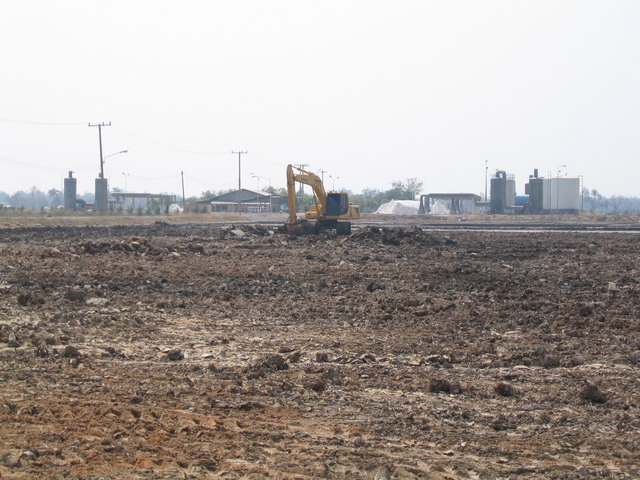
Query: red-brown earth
{"points": [[193, 351]]}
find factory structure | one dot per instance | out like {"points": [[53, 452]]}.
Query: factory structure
{"points": [[552, 195], [115, 200], [542, 196], [70, 192]]}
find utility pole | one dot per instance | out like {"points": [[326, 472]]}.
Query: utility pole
{"points": [[302, 167], [100, 125], [322, 172], [101, 183], [240, 153], [184, 200], [558, 189]]}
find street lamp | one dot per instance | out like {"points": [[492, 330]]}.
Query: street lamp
{"points": [[253, 175], [125, 180], [486, 172], [101, 174], [333, 182], [581, 194], [558, 189], [112, 154]]}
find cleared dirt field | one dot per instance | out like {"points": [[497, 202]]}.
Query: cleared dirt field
{"points": [[194, 351]]}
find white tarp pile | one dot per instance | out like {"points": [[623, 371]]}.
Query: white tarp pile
{"points": [[439, 208], [175, 208], [399, 207]]}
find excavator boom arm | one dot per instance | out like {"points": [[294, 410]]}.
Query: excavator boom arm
{"points": [[306, 178]]}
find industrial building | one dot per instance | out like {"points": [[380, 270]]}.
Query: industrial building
{"points": [[247, 201], [114, 200], [554, 195]]}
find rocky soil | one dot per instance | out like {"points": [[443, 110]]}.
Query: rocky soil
{"points": [[194, 351]]}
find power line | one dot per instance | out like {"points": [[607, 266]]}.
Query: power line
{"points": [[27, 122], [34, 165], [139, 138]]}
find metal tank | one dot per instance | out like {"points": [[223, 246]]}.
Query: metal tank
{"points": [[555, 195], [561, 195], [535, 190], [503, 193]]}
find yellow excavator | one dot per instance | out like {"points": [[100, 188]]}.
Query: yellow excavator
{"points": [[331, 211]]}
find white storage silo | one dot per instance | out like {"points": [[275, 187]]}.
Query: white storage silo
{"points": [[561, 195]]}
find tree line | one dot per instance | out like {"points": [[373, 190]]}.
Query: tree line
{"points": [[369, 199], [32, 199], [593, 202]]}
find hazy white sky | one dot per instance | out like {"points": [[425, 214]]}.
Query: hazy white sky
{"points": [[369, 91]]}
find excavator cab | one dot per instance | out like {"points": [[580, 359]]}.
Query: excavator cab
{"points": [[337, 204]]}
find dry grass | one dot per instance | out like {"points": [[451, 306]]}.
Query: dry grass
{"points": [[79, 219], [94, 219]]}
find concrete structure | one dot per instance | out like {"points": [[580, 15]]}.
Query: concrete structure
{"points": [[70, 192], [458, 202], [102, 195], [136, 201]]}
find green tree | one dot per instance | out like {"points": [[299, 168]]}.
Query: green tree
{"points": [[615, 202], [55, 197], [207, 194], [276, 191], [369, 200], [404, 190], [413, 187]]}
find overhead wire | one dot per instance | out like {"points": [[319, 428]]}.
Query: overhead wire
{"points": [[190, 181], [129, 135], [49, 167], [31, 178], [31, 122]]}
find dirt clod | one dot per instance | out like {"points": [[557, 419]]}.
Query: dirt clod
{"points": [[593, 394], [322, 357], [273, 362], [71, 352], [175, 355], [25, 299], [383, 473], [76, 295], [505, 389], [438, 385]]}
